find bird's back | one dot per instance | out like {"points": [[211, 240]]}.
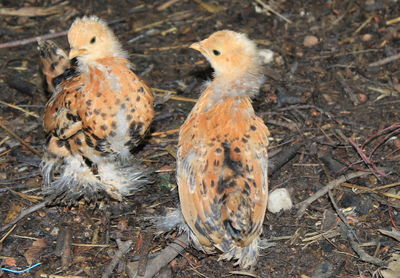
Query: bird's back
{"points": [[222, 172]]}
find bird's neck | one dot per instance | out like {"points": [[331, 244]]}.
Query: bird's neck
{"points": [[245, 84], [85, 65], [241, 88]]}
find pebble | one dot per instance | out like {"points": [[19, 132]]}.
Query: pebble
{"points": [[362, 98], [366, 37], [310, 41], [279, 199], [267, 55]]}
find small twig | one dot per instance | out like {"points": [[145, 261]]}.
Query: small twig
{"points": [[179, 98], [290, 126], [164, 133], [163, 91], [282, 158], [244, 273], [364, 256], [26, 212], [166, 48], [123, 249], [211, 8], [393, 21], [43, 275], [390, 211], [7, 234], [34, 11], [340, 214], [302, 206], [373, 190], [11, 181], [45, 37], [165, 256], [363, 25], [14, 187], [394, 126], [385, 139], [66, 258], [366, 160], [268, 8], [9, 131], [33, 40], [166, 5], [33, 114], [385, 61]]}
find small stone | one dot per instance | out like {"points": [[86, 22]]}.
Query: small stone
{"points": [[310, 41], [279, 60], [279, 199], [266, 55], [362, 98], [366, 37]]}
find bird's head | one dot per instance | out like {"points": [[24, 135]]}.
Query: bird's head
{"points": [[91, 39], [231, 54]]}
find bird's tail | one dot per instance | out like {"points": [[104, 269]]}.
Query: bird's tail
{"points": [[123, 177], [68, 179], [245, 256], [54, 62]]}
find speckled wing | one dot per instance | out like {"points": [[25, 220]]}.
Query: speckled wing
{"points": [[61, 111], [222, 173], [109, 103]]}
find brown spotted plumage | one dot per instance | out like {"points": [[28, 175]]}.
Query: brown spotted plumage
{"points": [[99, 111], [222, 153]]}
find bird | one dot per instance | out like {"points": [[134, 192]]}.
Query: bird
{"points": [[99, 111], [222, 158]]}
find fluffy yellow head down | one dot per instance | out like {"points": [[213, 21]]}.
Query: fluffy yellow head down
{"points": [[91, 39], [230, 53]]}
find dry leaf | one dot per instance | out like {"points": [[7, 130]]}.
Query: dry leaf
{"points": [[122, 225], [10, 261], [35, 250], [13, 212]]}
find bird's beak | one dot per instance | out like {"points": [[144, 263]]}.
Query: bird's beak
{"points": [[76, 52], [196, 46]]}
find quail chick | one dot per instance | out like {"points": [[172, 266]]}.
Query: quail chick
{"points": [[99, 111], [222, 153]]}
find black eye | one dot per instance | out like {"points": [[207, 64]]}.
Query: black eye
{"points": [[93, 40], [216, 52]]}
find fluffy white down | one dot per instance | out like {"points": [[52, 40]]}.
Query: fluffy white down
{"points": [[279, 199]]}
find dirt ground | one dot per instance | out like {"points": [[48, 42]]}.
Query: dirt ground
{"points": [[324, 90]]}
